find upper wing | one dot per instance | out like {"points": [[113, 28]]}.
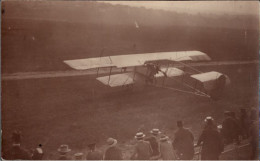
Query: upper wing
{"points": [[135, 59], [139, 59], [81, 64]]}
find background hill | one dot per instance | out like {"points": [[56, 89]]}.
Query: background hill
{"points": [[39, 35]]}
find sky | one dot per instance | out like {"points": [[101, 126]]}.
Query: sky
{"points": [[214, 7]]}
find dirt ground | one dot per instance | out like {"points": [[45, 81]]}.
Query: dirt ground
{"points": [[78, 110]]}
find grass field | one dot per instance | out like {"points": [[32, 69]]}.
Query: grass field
{"points": [[37, 36], [78, 110]]}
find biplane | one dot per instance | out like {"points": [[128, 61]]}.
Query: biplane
{"points": [[154, 69]]}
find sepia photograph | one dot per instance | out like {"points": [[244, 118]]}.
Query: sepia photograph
{"points": [[129, 80]]}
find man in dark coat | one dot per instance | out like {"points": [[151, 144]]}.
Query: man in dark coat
{"points": [[228, 127], [212, 145], [254, 139], [237, 129], [16, 152], [154, 141], [63, 151], [37, 153], [183, 142], [94, 154], [113, 152], [244, 123]]}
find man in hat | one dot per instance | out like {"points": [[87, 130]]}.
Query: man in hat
{"points": [[166, 149], [183, 142], [37, 153], [63, 151], [237, 129], [211, 142], [79, 156], [254, 139], [113, 152], [228, 127], [244, 123], [142, 149], [207, 119], [16, 152], [151, 70], [94, 154], [154, 142]]}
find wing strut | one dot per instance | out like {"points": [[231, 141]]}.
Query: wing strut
{"points": [[185, 65], [196, 90], [101, 53], [168, 65], [134, 73], [109, 75], [97, 71], [189, 92]]}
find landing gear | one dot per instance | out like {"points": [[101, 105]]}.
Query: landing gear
{"points": [[128, 87]]}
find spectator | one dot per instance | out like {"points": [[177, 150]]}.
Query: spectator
{"points": [[152, 71], [37, 153], [228, 127], [213, 123], [166, 149], [253, 136], [94, 154], [78, 156], [253, 115], [63, 151], [237, 129], [142, 149], [211, 142], [154, 141], [113, 152], [183, 142], [244, 123], [16, 151]]}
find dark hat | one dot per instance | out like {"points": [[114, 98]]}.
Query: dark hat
{"points": [[179, 123], [91, 145]]}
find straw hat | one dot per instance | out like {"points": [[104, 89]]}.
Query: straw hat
{"points": [[64, 149], [111, 142], [164, 138], [209, 118], [78, 156], [155, 131], [139, 135]]}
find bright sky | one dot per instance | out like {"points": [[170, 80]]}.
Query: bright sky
{"points": [[215, 7]]}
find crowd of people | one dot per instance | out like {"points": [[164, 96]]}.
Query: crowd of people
{"points": [[158, 146]]}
